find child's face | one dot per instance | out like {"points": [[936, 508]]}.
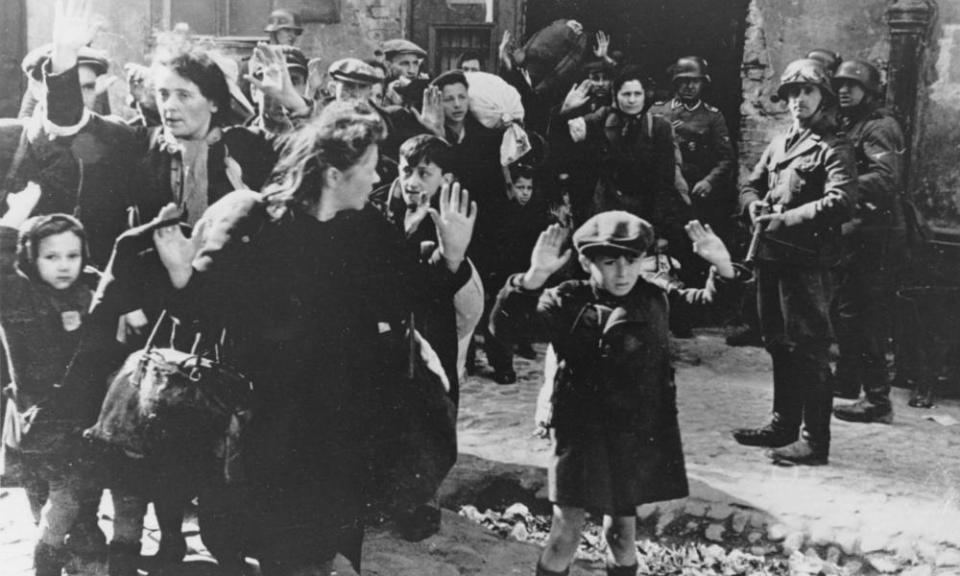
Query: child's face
{"points": [[523, 190], [59, 259], [423, 179], [615, 273]]}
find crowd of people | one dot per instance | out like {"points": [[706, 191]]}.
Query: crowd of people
{"points": [[320, 253]]}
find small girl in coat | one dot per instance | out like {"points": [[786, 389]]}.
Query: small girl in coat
{"points": [[43, 302], [615, 432]]}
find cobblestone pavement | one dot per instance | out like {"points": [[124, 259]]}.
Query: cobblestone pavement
{"points": [[889, 501], [891, 493]]}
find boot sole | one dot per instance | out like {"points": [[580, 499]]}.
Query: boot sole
{"points": [[763, 444], [886, 419]]}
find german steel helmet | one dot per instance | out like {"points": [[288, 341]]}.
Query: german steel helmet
{"points": [[859, 71], [827, 57], [689, 67], [281, 19], [805, 71]]}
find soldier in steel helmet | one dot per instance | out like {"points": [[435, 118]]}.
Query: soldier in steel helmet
{"points": [[875, 241], [798, 196], [701, 132], [284, 27]]}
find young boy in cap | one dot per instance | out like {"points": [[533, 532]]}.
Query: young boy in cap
{"points": [[614, 416]]}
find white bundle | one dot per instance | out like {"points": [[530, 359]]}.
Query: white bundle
{"points": [[497, 105]]}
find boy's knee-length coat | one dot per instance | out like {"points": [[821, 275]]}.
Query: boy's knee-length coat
{"points": [[614, 397]]}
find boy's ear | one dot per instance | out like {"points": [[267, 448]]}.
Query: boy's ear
{"points": [[584, 263], [448, 178]]}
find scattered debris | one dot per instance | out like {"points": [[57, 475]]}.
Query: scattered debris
{"points": [[688, 559]]}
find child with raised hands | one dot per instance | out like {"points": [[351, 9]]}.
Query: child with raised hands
{"points": [[614, 414]]}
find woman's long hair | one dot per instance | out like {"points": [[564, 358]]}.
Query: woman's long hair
{"points": [[338, 137]]}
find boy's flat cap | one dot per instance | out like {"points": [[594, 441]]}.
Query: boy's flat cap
{"points": [[398, 46], [616, 230], [356, 71]]}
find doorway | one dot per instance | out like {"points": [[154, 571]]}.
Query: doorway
{"points": [[654, 33]]}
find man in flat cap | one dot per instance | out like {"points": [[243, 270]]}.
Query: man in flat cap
{"points": [[353, 79], [403, 59]]}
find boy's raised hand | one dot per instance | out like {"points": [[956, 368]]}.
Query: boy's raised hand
{"points": [[454, 224], [710, 247], [547, 257]]}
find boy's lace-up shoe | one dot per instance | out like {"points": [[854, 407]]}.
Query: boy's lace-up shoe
{"points": [[865, 411], [799, 453]]}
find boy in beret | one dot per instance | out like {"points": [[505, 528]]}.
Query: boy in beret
{"points": [[614, 415]]}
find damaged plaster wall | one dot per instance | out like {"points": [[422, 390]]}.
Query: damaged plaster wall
{"points": [[936, 185], [126, 30], [780, 31]]}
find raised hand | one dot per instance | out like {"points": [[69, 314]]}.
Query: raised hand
{"points": [[547, 258], [503, 50], [431, 116], [578, 96], [176, 251], [603, 45], [73, 28], [275, 81], [20, 205], [710, 247], [454, 224]]}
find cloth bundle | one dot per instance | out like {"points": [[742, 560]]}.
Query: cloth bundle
{"points": [[497, 105]]}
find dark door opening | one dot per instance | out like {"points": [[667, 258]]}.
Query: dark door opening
{"points": [[654, 33]]}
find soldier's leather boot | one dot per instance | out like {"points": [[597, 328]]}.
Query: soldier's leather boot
{"points": [[48, 560], [865, 411], [769, 436]]}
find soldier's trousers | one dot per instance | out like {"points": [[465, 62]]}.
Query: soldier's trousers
{"points": [[863, 321], [794, 307]]}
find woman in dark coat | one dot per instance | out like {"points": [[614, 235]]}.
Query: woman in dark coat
{"points": [[316, 302], [628, 158]]}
